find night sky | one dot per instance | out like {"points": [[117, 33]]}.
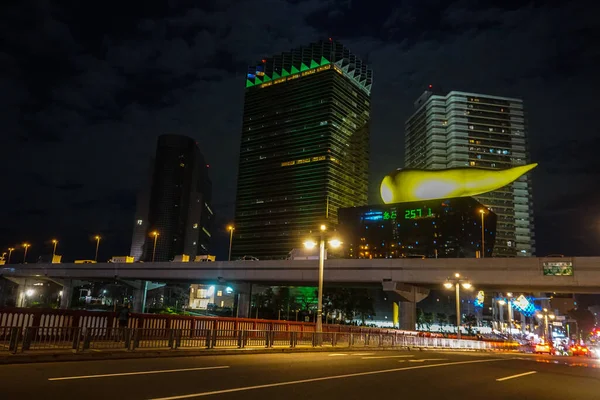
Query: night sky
{"points": [[85, 90]]}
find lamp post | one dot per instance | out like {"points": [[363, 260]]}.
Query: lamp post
{"points": [[26, 246], [54, 242], [155, 234], [544, 316], [310, 244], [482, 212], [456, 282], [10, 250], [97, 237], [230, 228]]}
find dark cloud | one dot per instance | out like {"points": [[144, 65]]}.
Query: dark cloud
{"points": [[86, 91]]}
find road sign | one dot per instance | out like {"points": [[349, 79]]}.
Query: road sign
{"points": [[557, 268], [557, 323], [560, 318]]}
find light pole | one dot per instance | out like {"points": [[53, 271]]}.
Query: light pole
{"points": [[544, 316], [155, 234], [310, 244], [54, 242], [230, 228], [10, 250], [456, 282], [97, 237], [482, 212], [26, 246]]}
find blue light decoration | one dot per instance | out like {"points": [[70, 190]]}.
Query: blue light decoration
{"points": [[372, 216], [478, 302], [524, 305]]}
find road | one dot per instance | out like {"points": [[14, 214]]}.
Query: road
{"points": [[289, 376]]}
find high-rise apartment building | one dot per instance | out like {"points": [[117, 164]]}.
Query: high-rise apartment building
{"points": [[304, 148], [476, 130], [175, 203]]}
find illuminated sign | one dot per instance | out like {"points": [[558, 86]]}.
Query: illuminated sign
{"points": [[524, 305], [557, 268], [479, 299], [414, 185], [418, 213]]}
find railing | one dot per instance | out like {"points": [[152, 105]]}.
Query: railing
{"points": [[19, 339]]}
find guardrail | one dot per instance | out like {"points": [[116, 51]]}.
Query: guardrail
{"points": [[76, 339]]}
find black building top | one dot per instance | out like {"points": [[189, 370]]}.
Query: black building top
{"points": [[449, 228]]}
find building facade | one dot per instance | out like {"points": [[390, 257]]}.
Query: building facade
{"points": [[304, 147], [446, 228], [175, 203], [461, 129]]}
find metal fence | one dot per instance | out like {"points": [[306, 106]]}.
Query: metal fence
{"points": [[23, 339]]}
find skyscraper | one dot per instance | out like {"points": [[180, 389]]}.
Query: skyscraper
{"points": [[175, 203], [476, 130], [304, 147]]}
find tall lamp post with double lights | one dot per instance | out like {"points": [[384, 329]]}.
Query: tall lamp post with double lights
{"points": [[456, 282], [508, 301], [10, 250], [310, 244], [544, 315], [26, 246], [54, 243]]}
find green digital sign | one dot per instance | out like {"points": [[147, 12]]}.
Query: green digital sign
{"points": [[557, 268], [418, 213]]}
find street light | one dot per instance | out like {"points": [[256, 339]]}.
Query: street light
{"points": [[10, 250], [456, 282], [97, 237], [311, 244], [545, 315], [26, 246], [230, 228], [30, 292], [482, 212], [155, 234], [54, 242]]}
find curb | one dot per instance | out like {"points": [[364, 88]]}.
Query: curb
{"points": [[135, 354]]}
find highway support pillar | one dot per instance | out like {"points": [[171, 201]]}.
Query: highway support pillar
{"points": [[21, 289], [242, 292], [407, 297]]}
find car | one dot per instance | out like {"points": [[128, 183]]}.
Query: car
{"points": [[543, 348], [578, 350]]}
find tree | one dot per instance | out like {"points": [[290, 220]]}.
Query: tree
{"points": [[470, 321], [428, 318], [420, 318], [442, 319], [585, 320]]}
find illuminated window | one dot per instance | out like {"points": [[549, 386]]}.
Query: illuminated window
{"points": [[472, 163], [222, 304], [220, 293], [195, 226], [194, 243], [181, 165], [139, 222]]}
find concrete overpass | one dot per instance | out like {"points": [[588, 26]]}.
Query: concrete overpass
{"points": [[410, 279]]}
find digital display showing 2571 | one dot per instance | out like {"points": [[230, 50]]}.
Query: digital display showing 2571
{"points": [[417, 213]]}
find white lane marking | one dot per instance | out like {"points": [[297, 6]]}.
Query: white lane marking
{"points": [[428, 359], [362, 354], [337, 354], [516, 376], [163, 371], [324, 378], [380, 357]]}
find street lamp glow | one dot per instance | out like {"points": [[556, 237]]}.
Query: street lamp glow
{"points": [[309, 244], [457, 275], [335, 243], [323, 228], [230, 228], [538, 316], [97, 239], [30, 292], [467, 285], [155, 234], [501, 302], [552, 316], [448, 285], [509, 294]]}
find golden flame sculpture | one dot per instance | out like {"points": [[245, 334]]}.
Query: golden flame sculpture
{"points": [[413, 185]]}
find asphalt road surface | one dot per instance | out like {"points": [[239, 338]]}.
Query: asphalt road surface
{"points": [[288, 376]]}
